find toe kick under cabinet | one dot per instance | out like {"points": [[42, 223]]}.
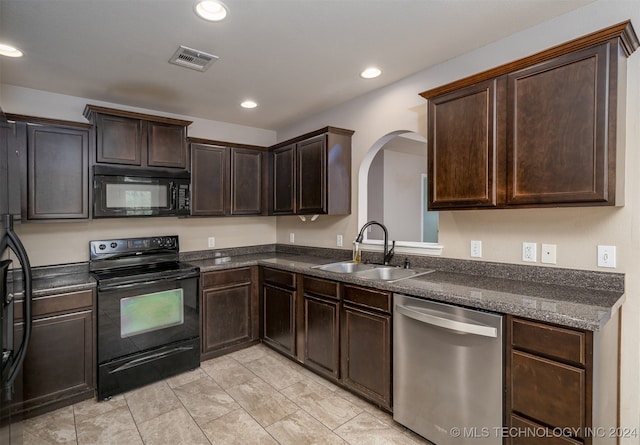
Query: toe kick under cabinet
{"points": [[562, 384]]}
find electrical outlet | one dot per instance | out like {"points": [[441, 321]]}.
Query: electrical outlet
{"points": [[212, 241], [476, 249], [339, 240], [529, 252], [548, 254], [607, 256], [292, 237]]}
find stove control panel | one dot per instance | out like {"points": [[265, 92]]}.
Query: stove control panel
{"points": [[139, 246]]}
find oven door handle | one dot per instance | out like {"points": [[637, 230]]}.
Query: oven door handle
{"points": [[109, 287], [150, 358]]}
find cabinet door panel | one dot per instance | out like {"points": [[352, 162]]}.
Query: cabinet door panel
{"points": [[119, 140], [548, 391], [166, 145], [58, 164], [557, 139], [321, 318], [312, 175], [284, 186], [279, 318], [226, 317], [366, 354], [209, 180], [463, 148], [59, 361], [246, 178]]}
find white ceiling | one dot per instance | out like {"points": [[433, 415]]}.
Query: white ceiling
{"points": [[294, 57]]}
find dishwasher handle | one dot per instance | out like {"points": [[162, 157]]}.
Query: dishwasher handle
{"points": [[447, 323]]}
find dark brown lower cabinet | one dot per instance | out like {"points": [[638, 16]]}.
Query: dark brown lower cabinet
{"points": [[279, 297], [366, 343], [59, 366], [554, 375], [322, 326], [229, 310]]}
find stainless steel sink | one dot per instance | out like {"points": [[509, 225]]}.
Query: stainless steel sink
{"points": [[388, 273], [345, 267], [371, 271]]}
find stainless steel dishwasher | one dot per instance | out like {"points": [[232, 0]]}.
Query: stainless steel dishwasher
{"points": [[447, 372]]}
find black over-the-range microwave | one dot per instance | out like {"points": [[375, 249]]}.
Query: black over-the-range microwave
{"points": [[123, 191]]}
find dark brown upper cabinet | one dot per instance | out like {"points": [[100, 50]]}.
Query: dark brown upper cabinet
{"points": [[312, 174], [463, 147], [136, 139], [53, 167], [540, 131], [227, 180]]}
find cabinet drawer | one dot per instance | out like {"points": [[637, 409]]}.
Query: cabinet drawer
{"points": [[532, 433], [552, 393], [320, 287], [59, 303], [226, 277], [552, 341], [279, 278], [368, 298]]}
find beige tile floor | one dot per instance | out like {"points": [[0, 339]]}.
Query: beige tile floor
{"points": [[252, 396]]}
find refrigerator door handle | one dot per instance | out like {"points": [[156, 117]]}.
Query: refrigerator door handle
{"points": [[16, 246]]}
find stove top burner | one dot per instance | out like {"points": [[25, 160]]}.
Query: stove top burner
{"points": [[135, 260], [145, 272]]}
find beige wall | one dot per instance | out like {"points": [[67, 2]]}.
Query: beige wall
{"points": [[575, 231]]}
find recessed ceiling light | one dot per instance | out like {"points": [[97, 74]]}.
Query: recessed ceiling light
{"points": [[212, 10], [9, 51], [370, 73], [248, 104]]}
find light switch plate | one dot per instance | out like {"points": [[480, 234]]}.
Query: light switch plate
{"points": [[211, 242], [607, 256]]}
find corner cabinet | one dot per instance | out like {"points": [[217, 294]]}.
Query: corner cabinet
{"points": [[53, 163], [279, 304], [541, 131], [227, 180], [128, 138], [312, 174], [229, 310]]}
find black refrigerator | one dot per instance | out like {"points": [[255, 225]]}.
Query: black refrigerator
{"points": [[15, 289]]}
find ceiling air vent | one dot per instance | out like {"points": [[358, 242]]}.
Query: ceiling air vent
{"points": [[192, 58]]}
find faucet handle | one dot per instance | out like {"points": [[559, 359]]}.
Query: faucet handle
{"points": [[389, 253]]}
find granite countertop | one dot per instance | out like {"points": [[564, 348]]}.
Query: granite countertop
{"points": [[580, 299], [567, 305], [60, 279]]}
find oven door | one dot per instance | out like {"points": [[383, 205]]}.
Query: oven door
{"points": [[142, 316]]}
